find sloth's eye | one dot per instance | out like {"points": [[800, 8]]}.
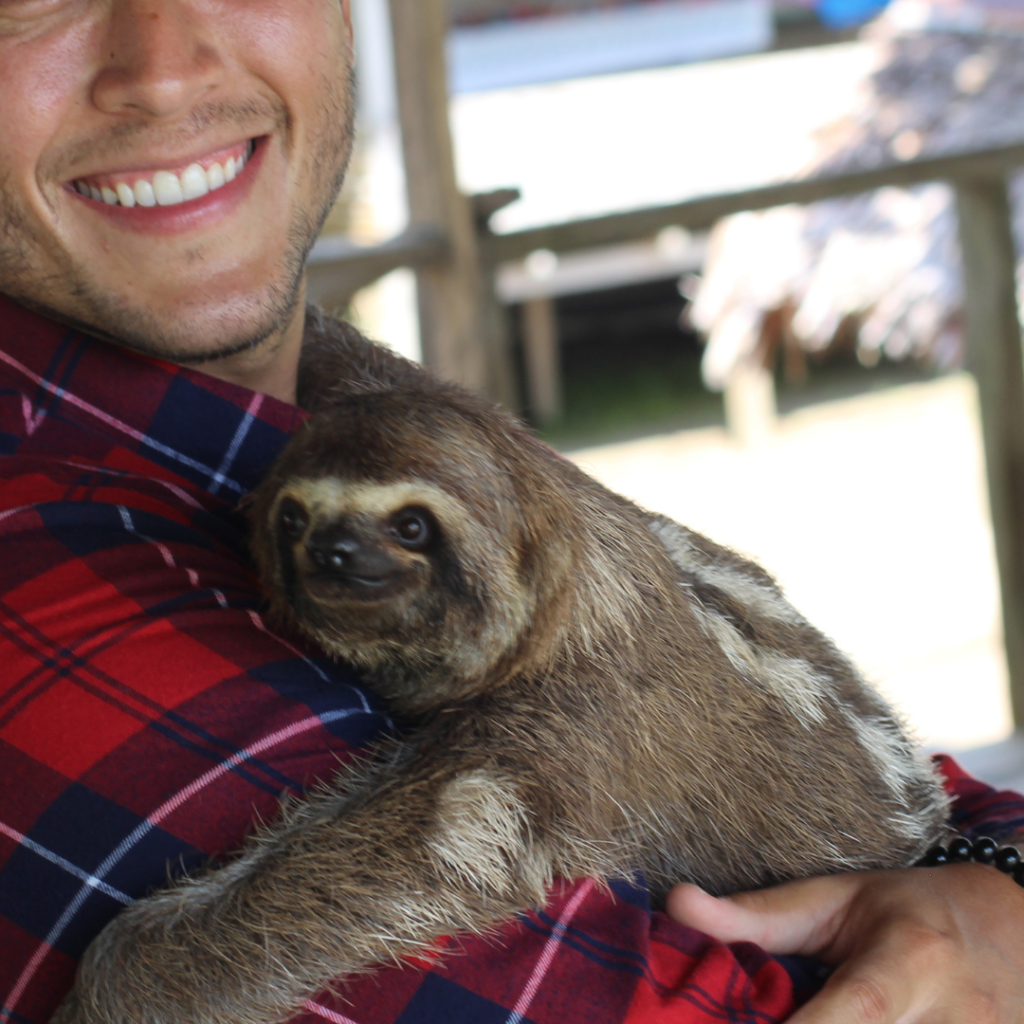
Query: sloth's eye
{"points": [[294, 519], [413, 528]]}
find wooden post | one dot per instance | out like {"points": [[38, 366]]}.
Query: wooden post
{"points": [[542, 358], [750, 408], [457, 331], [993, 334]]}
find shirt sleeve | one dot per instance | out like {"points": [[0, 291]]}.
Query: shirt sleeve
{"points": [[978, 809]]}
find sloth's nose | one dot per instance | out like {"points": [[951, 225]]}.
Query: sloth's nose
{"points": [[342, 553], [333, 550]]}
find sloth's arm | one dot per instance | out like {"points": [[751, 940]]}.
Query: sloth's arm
{"points": [[322, 895]]}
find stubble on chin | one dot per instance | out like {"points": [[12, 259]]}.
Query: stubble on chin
{"points": [[51, 281]]}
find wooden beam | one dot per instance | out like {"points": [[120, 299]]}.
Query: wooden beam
{"points": [[458, 334], [993, 336], [338, 268], [639, 224], [751, 410], [701, 213], [542, 356]]}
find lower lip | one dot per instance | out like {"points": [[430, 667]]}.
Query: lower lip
{"points": [[358, 581], [193, 215]]}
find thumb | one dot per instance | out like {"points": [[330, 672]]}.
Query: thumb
{"points": [[799, 917]]}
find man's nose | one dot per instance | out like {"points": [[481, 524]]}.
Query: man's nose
{"points": [[160, 58]]}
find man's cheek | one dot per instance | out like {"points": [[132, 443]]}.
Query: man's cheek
{"points": [[274, 33], [43, 85]]}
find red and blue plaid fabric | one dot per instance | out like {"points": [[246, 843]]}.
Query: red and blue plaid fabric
{"points": [[148, 715]]}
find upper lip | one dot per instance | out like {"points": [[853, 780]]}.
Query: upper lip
{"points": [[168, 164]]}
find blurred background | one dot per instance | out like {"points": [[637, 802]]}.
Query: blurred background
{"points": [[793, 380]]}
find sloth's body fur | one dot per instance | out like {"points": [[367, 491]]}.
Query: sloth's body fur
{"points": [[597, 690]]}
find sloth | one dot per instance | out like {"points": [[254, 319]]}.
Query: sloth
{"points": [[593, 690]]}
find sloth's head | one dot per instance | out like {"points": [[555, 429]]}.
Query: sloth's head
{"points": [[419, 535]]}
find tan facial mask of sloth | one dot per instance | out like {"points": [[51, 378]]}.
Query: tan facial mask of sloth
{"points": [[597, 689]]}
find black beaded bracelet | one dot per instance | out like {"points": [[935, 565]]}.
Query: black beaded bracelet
{"points": [[983, 851]]}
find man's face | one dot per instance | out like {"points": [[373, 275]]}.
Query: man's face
{"points": [[147, 104]]}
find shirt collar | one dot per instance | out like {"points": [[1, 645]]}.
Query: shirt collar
{"points": [[65, 392]]}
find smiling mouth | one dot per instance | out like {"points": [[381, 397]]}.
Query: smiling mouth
{"points": [[170, 187], [360, 589]]}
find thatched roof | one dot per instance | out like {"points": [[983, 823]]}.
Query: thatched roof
{"points": [[880, 271]]}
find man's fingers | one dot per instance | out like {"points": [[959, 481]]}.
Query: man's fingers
{"points": [[799, 917], [727, 919], [911, 947], [895, 982], [904, 974], [860, 997]]}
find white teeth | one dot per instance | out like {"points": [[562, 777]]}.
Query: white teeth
{"points": [[144, 193], [215, 177], [167, 188], [194, 183]]}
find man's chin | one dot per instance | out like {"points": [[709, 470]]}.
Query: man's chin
{"points": [[189, 334]]}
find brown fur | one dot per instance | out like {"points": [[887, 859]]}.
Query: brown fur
{"points": [[597, 690]]}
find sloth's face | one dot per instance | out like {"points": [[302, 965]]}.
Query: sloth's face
{"points": [[399, 578], [356, 550]]}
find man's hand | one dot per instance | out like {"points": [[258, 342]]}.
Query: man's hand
{"points": [[920, 946]]}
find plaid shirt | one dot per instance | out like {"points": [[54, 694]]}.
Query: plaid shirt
{"points": [[148, 715]]}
